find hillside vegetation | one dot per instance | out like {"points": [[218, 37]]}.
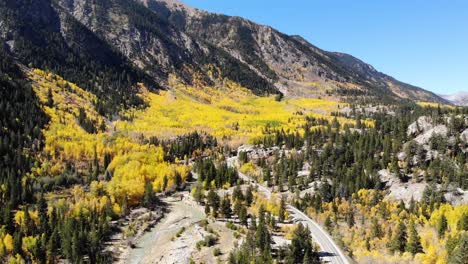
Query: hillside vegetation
{"points": [[230, 113], [88, 169]]}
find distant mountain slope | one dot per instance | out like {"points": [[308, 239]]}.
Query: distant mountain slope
{"points": [[40, 34], [108, 46], [283, 59], [460, 98]]}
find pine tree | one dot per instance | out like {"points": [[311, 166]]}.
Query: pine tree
{"points": [[95, 166], [237, 194], [267, 176], [243, 215], [282, 209], [165, 182], [28, 224], [328, 223], [376, 231], [460, 252], [442, 225], [462, 224], [197, 193], [178, 180], [300, 249], [325, 191], [226, 207], [43, 217], [412, 205], [398, 241], [262, 235], [52, 245], [350, 219], [213, 200], [243, 157], [207, 209], [50, 98], [249, 195], [413, 245], [148, 196], [17, 243]]}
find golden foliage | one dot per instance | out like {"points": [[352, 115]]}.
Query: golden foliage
{"points": [[231, 112], [435, 105], [8, 242], [368, 207], [271, 205], [66, 140], [132, 170]]}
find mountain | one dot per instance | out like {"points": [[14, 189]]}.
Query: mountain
{"points": [[460, 98], [108, 46], [288, 61]]}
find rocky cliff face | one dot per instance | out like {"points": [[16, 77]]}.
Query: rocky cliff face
{"points": [[287, 61], [159, 47], [153, 39]]}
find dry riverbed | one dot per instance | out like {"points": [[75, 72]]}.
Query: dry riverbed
{"points": [[174, 238]]}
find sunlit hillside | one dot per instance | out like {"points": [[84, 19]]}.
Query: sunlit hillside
{"points": [[68, 146], [431, 104], [77, 133], [231, 113]]}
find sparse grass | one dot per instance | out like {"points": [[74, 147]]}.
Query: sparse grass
{"points": [[179, 233], [232, 226], [207, 241]]}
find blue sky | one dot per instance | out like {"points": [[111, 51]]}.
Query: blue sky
{"points": [[422, 42]]}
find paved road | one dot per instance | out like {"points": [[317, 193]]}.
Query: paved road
{"points": [[330, 253]]}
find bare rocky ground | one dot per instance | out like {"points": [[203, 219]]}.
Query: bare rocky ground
{"points": [[141, 220], [162, 245], [399, 190], [174, 238]]}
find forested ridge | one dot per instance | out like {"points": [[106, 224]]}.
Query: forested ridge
{"points": [[21, 137], [77, 54]]}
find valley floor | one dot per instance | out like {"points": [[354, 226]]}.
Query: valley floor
{"points": [[174, 238]]}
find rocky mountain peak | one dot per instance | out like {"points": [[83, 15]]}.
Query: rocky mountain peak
{"points": [[164, 37], [173, 5]]}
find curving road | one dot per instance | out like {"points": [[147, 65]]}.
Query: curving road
{"points": [[330, 253]]}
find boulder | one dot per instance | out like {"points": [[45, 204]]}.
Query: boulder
{"points": [[424, 138], [464, 136], [401, 156], [423, 124]]}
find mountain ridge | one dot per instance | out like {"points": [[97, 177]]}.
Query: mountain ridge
{"points": [[460, 98], [155, 39]]}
